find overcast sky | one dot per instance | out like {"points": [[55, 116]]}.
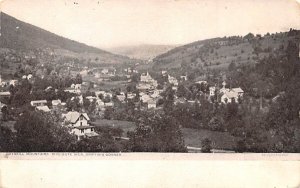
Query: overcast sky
{"points": [[111, 23]]}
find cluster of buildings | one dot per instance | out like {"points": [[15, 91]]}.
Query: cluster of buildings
{"points": [[78, 123], [227, 94]]}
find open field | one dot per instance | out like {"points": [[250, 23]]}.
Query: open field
{"points": [[124, 125], [220, 140]]}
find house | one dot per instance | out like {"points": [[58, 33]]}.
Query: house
{"points": [[43, 108], [109, 104], [91, 98], [74, 88], [174, 88], [29, 76], [212, 91], [179, 101], [13, 82], [145, 98], [147, 78], [4, 94], [79, 124], [130, 95], [103, 93], [121, 97], [38, 103], [144, 86], [201, 82], [56, 102], [183, 78], [239, 91], [151, 104], [156, 93], [172, 80], [229, 96]]}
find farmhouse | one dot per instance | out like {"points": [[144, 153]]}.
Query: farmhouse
{"points": [[79, 124]]}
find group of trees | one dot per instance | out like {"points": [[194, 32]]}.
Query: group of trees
{"points": [[36, 131], [156, 133]]}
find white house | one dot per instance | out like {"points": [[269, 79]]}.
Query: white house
{"points": [[43, 108], [121, 97], [212, 91], [228, 97], [151, 104], [29, 76], [79, 124], [183, 78], [172, 80], [239, 91], [56, 102], [145, 98], [13, 82], [4, 94], [38, 103]]}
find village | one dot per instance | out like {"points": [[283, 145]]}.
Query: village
{"points": [[225, 94], [87, 99]]}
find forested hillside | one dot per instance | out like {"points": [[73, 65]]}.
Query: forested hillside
{"points": [[218, 53]]}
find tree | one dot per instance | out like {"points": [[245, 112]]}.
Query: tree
{"points": [[216, 123], [5, 113], [206, 145], [181, 91], [249, 36], [6, 140], [103, 143], [41, 132], [168, 97], [78, 79], [108, 113], [232, 67], [157, 133]]}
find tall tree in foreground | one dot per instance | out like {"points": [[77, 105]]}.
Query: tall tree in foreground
{"points": [[157, 133], [41, 132]]}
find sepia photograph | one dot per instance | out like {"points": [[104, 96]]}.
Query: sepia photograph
{"points": [[159, 76]]}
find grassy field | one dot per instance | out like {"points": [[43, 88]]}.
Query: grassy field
{"points": [[124, 125], [220, 140]]}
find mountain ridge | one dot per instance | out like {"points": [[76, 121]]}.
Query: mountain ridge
{"points": [[18, 35]]}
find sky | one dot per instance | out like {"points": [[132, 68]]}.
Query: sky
{"points": [[114, 23]]}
